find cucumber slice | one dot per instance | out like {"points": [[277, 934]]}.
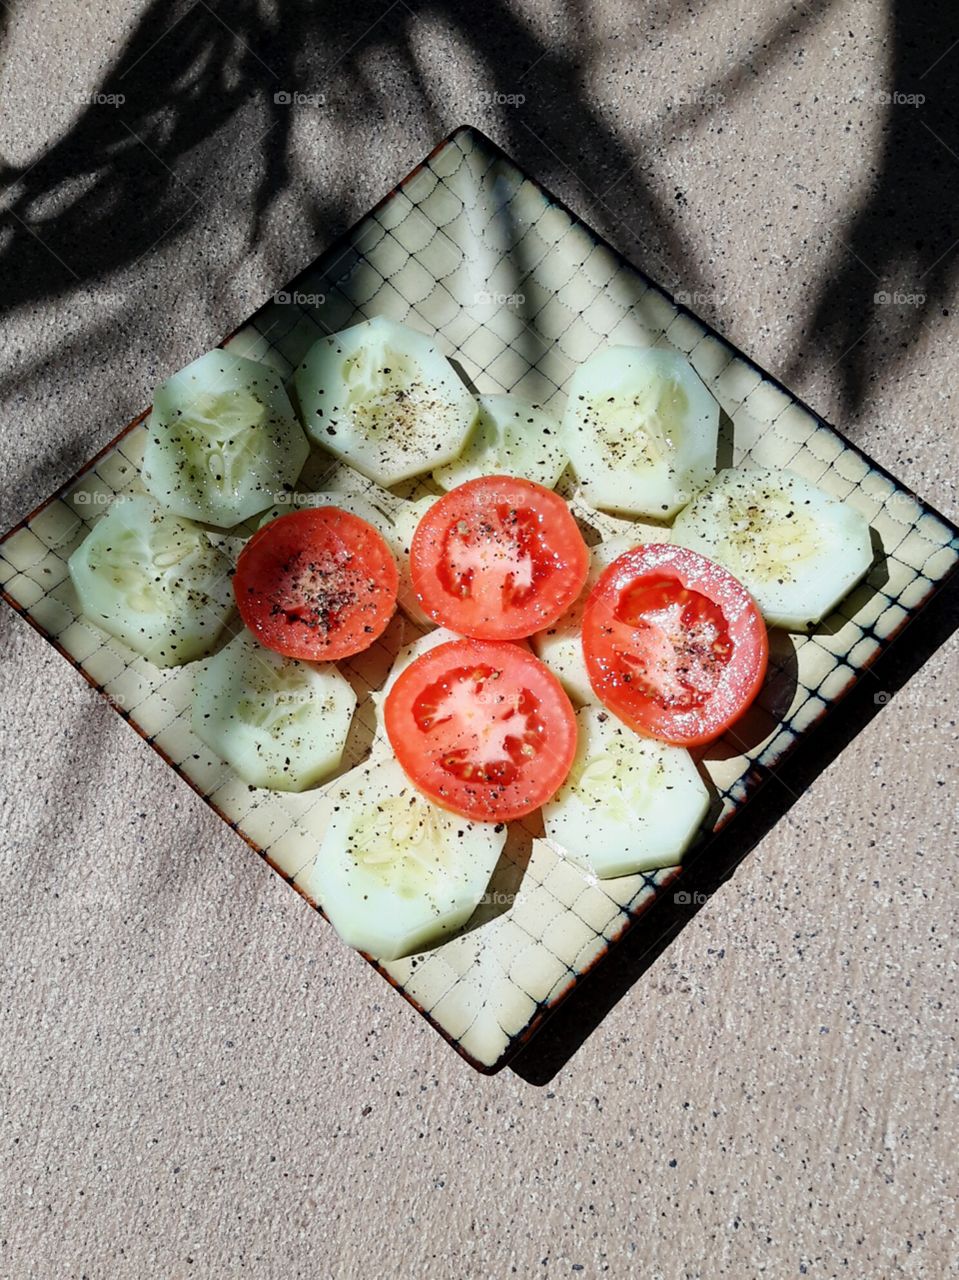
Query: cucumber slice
{"points": [[641, 431], [795, 550], [223, 440], [511, 438], [352, 502], [629, 804], [561, 645], [154, 581], [393, 872], [600, 526], [277, 722], [382, 397], [405, 520]]}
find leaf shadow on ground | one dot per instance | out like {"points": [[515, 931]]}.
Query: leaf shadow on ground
{"points": [[123, 178], [897, 261]]}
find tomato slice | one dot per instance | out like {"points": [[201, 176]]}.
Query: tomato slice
{"points": [[483, 729], [674, 644], [316, 584], [498, 558]]}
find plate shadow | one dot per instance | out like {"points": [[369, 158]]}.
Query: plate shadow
{"points": [[582, 1012]]}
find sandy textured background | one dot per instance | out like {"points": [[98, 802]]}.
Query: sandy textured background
{"points": [[197, 1080]]}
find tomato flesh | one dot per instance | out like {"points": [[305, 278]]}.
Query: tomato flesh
{"points": [[484, 729], [674, 644], [498, 558], [316, 584]]}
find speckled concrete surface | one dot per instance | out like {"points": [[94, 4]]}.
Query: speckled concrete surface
{"points": [[197, 1079]]}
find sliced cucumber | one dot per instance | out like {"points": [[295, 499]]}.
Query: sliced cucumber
{"points": [[154, 581], [561, 645], [640, 430], [223, 440], [382, 397], [629, 804], [279, 723], [598, 525], [352, 502], [405, 520], [796, 550], [511, 438], [393, 872]]}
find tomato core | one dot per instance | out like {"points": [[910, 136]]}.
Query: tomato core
{"points": [[679, 643]]}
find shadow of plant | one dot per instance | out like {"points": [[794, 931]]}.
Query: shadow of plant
{"points": [[127, 175], [899, 262], [204, 117], [112, 180]]}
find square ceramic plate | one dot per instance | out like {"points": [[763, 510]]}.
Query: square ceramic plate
{"points": [[518, 292]]}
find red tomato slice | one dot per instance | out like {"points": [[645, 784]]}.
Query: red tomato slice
{"points": [[498, 559], [482, 729], [316, 584], [674, 644]]}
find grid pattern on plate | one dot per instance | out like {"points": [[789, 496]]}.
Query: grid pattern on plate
{"points": [[517, 292]]}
